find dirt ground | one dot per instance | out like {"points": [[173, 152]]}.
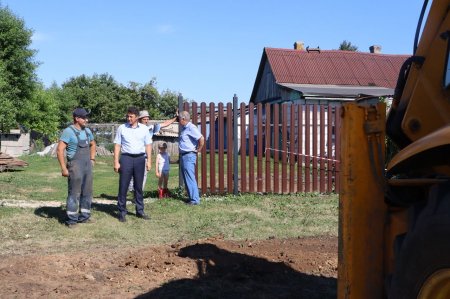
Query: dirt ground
{"points": [[210, 268]]}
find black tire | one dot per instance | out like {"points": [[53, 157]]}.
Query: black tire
{"points": [[425, 248]]}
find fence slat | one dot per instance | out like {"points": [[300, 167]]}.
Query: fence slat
{"points": [[307, 149], [284, 146], [212, 149], [300, 148], [276, 142], [251, 147], [221, 146], [230, 138], [314, 142], [322, 149], [259, 141], [292, 149], [337, 128], [330, 156], [194, 120], [243, 150], [268, 134], [203, 156]]}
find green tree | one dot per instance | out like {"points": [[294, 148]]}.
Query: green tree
{"points": [[347, 46], [42, 112], [158, 105], [168, 103], [100, 94], [17, 69], [149, 99], [65, 106], [8, 112], [108, 100]]}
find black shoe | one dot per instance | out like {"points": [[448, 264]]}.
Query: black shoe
{"points": [[143, 216], [122, 218], [192, 203]]}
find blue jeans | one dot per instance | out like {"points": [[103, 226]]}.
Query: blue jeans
{"points": [[188, 162]]}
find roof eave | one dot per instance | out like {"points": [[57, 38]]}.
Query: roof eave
{"points": [[345, 91]]}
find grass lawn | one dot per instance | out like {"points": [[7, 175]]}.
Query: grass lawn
{"points": [[248, 216]]}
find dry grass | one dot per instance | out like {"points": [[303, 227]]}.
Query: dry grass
{"points": [[25, 230]]}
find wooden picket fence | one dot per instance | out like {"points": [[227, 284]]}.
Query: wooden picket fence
{"points": [[270, 148]]}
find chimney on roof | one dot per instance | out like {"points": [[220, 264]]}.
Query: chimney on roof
{"points": [[299, 46], [375, 49]]}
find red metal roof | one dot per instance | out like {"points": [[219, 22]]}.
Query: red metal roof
{"points": [[334, 67]]}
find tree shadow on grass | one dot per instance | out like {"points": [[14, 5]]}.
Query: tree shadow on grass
{"points": [[224, 274], [106, 208], [109, 197], [51, 212], [13, 170], [59, 213], [146, 194]]}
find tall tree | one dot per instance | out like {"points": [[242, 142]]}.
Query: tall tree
{"points": [[347, 46], [65, 105], [149, 99], [106, 99], [42, 112], [8, 112], [17, 69], [168, 103]]}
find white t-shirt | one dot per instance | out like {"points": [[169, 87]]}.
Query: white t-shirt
{"points": [[163, 161]]}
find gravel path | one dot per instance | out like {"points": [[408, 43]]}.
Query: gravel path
{"points": [[43, 203]]}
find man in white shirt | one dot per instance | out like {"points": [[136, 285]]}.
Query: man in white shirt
{"points": [[132, 144]]}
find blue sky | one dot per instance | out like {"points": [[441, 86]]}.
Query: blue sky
{"points": [[207, 50]]}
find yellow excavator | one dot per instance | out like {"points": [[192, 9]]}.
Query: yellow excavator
{"points": [[394, 207]]}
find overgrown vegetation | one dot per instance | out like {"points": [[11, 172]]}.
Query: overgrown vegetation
{"points": [[248, 216]]}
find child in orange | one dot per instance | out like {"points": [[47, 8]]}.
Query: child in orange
{"points": [[162, 170]]}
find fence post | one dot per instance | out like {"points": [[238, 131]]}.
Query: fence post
{"points": [[180, 108], [235, 146]]}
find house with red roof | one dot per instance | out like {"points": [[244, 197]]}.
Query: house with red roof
{"points": [[315, 76]]}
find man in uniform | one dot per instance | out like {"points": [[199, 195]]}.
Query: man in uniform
{"points": [[79, 144]]}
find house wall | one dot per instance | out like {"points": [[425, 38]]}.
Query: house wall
{"points": [[15, 143], [267, 89]]}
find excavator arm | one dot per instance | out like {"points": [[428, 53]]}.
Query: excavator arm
{"points": [[394, 220]]}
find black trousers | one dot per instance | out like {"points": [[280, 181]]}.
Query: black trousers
{"points": [[131, 167]]}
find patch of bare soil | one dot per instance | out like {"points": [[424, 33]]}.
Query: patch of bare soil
{"points": [[210, 268]]}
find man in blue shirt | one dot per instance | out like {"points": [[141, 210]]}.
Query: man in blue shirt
{"points": [[191, 142], [79, 144], [132, 144]]}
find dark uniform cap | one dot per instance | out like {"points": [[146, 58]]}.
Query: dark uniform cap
{"points": [[80, 112]]}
